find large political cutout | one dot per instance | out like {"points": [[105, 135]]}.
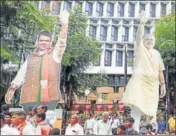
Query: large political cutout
{"points": [[40, 73]]}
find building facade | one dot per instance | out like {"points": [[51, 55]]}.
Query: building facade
{"points": [[114, 24]]}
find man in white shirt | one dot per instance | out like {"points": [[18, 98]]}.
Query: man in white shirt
{"points": [[7, 129], [90, 125], [74, 128], [104, 125], [115, 122], [19, 121]]}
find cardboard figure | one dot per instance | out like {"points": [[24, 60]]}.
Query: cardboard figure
{"points": [[142, 90], [40, 73]]}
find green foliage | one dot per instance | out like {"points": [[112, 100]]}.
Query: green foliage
{"points": [[35, 17], [7, 54], [81, 49], [20, 23], [165, 32], [81, 52], [165, 42], [83, 117]]}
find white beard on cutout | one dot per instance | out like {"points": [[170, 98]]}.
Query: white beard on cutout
{"points": [[149, 44]]}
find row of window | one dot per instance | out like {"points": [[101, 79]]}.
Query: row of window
{"points": [[119, 58], [110, 8], [114, 32], [117, 81], [120, 11], [105, 21]]}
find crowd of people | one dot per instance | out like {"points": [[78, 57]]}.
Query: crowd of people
{"points": [[35, 122], [31, 122], [122, 124]]}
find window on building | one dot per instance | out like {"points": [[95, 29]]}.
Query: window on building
{"points": [[89, 8], [104, 21], [147, 30], [79, 4], [115, 88], [115, 22], [67, 5], [103, 33], [152, 10], [117, 80], [173, 7], [148, 22], [130, 56], [142, 7], [136, 22], [92, 31], [119, 46], [99, 9], [122, 81], [125, 22], [56, 8], [45, 4], [35, 4], [111, 80], [125, 33], [104, 96], [119, 58], [131, 10], [130, 46], [163, 9], [110, 9], [114, 33], [135, 32], [93, 21], [108, 46], [121, 10], [108, 57]]}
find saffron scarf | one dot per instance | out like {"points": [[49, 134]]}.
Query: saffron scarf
{"points": [[43, 94], [21, 127]]}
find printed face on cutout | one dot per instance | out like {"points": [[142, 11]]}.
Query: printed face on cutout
{"points": [[149, 41], [44, 42]]}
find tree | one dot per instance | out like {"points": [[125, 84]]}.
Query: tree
{"points": [[165, 42], [20, 24], [81, 52]]}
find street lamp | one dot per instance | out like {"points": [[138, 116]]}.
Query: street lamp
{"points": [[87, 92], [100, 100], [115, 100]]}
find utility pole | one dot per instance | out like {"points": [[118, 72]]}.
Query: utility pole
{"points": [[167, 94], [125, 66]]}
